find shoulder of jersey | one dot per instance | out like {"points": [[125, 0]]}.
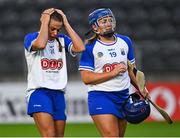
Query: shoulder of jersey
{"points": [[91, 44], [125, 38], [121, 36], [33, 34]]}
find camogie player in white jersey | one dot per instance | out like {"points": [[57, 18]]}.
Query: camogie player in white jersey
{"points": [[103, 67], [45, 53]]}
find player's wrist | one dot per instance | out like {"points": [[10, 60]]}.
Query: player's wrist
{"points": [[45, 22]]}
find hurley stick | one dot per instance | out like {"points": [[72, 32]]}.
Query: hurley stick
{"points": [[138, 81]]}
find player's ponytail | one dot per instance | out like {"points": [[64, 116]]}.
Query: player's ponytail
{"points": [[60, 46], [90, 36]]}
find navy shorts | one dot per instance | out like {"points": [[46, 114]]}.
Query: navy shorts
{"points": [[100, 102], [49, 101]]}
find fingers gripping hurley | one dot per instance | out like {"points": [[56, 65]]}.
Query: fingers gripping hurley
{"points": [[140, 84]]}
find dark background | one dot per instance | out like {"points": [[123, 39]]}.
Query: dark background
{"points": [[153, 26]]}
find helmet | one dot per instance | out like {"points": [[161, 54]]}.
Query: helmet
{"points": [[98, 14], [135, 109]]}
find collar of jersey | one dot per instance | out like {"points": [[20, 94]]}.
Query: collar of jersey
{"points": [[108, 44], [50, 41]]}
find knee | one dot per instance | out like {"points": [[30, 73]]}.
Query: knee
{"points": [[121, 133], [60, 134], [111, 133], [48, 132]]}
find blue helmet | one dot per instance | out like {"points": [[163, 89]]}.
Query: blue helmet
{"points": [[99, 13], [137, 110]]}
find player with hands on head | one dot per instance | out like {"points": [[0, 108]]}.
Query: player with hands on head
{"points": [[103, 67], [45, 53]]}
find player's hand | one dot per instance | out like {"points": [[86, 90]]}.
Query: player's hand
{"points": [[119, 69], [145, 93], [45, 16], [65, 21]]}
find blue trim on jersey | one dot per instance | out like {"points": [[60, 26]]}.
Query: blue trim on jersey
{"points": [[86, 68], [71, 51], [132, 61], [128, 41], [28, 40], [87, 58]]}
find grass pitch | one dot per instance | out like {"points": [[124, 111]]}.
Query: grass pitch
{"points": [[148, 129]]}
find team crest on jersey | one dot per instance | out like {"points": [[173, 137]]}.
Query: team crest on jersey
{"points": [[51, 49], [122, 51], [99, 54]]}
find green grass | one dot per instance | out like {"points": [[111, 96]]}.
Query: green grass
{"points": [[151, 129]]}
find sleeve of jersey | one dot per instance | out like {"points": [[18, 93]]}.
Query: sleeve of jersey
{"points": [[87, 59], [68, 45], [28, 40], [130, 55]]}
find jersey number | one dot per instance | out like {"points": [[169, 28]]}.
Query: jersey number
{"points": [[113, 54]]}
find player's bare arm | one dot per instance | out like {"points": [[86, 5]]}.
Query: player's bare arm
{"points": [[41, 41], [78, 45], [90, 77], [132, 76]]}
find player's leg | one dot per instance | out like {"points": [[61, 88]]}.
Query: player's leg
{"points": [[104, 109], [59, 128], [107, 125], [59, 113], [40, 107], [45, 124], [122, 127]]}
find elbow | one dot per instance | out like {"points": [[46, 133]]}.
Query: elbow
{"points": [[82, 48], [89, 82], [85, 77], [38, 46], [42, 47], [86, 82], [79, 48]]}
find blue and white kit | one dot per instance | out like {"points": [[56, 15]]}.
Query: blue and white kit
{"points": [[46, 69], [100, 57], [107, 97]]}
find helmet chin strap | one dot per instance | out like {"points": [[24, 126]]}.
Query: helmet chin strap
{"points": [[108, 34], [105, 34]]}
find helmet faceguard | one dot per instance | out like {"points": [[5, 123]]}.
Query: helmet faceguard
{"points": [[98, 15]]}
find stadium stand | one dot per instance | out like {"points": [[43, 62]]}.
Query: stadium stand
{"points": [[153, 26]]}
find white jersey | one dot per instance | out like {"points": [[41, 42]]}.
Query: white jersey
{"points": [[47, 67], [99, 57]]}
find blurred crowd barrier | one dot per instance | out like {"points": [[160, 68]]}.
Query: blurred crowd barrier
{"points": [[13, 102]]}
